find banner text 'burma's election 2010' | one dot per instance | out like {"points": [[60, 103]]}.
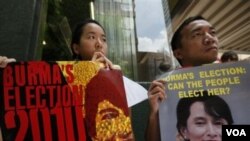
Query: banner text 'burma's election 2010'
{"points": [[44, 101]]}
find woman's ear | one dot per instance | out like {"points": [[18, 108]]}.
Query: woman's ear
{"points": [[178, 54], [184, 133], [75, 49]]}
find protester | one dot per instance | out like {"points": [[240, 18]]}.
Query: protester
{"points": [[194, 43], [229, 56], [89, 44]]}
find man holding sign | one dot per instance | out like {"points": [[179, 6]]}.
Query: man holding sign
{"points": [[194, 43]]}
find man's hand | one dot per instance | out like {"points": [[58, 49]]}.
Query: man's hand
{"points": [[156, 94]]}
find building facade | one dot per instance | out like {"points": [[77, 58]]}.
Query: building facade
{"points": [[118, 19]]}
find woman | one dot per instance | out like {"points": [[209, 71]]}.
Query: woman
{"points": [[201, 118], [89, 44]]}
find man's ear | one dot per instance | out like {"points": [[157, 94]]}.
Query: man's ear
{"points": [[178, 54], [75, 48]]}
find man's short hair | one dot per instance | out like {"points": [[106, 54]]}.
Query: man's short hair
{"points": [[176, 39]]}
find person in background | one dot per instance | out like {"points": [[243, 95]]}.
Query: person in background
{"points": [[194, 44], [229, 56]]}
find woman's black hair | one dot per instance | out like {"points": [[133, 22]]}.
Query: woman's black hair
{"points": [[214, 105], [78, 30]]}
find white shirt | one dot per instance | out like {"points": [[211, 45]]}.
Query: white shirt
{"points": [[135, 93]]}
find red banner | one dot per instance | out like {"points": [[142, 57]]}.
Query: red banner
{"points": [[46, 101]]}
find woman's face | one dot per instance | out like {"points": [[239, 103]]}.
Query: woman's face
{"points": [[201, 126], [93, 39]]}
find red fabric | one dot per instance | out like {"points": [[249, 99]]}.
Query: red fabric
{"points": [[107, 84]]}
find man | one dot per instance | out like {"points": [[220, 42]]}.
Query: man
{"points": [[194, 43]]}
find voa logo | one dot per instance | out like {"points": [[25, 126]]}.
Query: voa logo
{"points": [[236, 132]]}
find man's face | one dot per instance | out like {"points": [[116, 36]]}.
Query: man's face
{"points": [[199, 44]]}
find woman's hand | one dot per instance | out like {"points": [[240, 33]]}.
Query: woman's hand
{"points": [[101, 58], [4, 61]]}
